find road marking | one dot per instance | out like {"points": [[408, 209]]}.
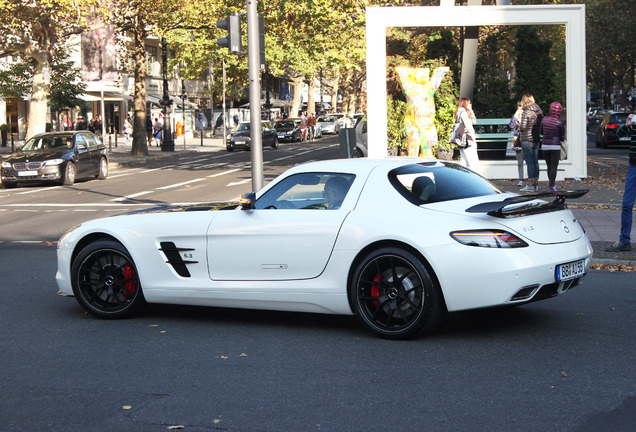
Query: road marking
{"points": [[135, 195], [180, 184], [37, 190], [224, 173], [239, 182]]}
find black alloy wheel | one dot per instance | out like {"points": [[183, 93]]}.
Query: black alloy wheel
{"points": [[105, 280], [394, 296]]}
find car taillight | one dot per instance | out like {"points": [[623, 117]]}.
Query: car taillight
{"points": [[612, 126], [488, 238]]}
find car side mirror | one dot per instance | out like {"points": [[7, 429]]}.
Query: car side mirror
{"points": [[248, 201]]}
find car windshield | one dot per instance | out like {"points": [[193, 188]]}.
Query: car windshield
{"points": [[39, 143], [285, 124], [243, 127], [439, 181], [325, 119]]}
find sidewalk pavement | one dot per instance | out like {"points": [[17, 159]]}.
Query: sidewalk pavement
{"points": [[598, 211]]}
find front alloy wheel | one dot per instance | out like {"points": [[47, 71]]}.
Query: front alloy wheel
{"points": [[105, 280], [394, 296]]}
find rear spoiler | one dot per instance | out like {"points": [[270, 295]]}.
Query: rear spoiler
{"points": [[496, 208]]}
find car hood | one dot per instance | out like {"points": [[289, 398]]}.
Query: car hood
{"points": [[40, 155], [535, 217], [284, 128], [241, 134]]}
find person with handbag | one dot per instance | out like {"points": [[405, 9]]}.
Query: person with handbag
{"points": [[515, 121], [553, 132], [465, 134], [531, 139]]}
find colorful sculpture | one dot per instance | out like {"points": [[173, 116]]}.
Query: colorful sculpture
{"points": [[419, 122]]}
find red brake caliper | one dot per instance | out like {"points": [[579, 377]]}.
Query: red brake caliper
{"points": [[130, 285], [375, 290]]}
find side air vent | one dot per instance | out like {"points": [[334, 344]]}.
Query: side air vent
{"points": [[173, 254]]}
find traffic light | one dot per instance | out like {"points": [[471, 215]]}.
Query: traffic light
{"points": [[233, 26]]}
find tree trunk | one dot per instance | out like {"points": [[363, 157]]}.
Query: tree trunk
{"points": [[39, 96], [296, 83], [140, 138], [334, 92], [311, 97]]}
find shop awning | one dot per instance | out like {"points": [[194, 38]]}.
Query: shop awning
{"points": [[176, 101], [108, 96]]}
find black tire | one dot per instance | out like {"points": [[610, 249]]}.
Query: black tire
{"points": [[275, 143], [357, 153], [105, 280], [394, 296], [9, 184], [229, 148], [68, 177], [103, 169]]}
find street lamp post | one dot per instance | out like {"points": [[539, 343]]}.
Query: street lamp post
{"points": [[167, 142]]}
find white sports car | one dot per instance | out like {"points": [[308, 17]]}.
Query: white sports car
{"points": [[397, 242]]}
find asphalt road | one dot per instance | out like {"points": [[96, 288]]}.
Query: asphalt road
{"points": [[42, 213], [565, 364]]}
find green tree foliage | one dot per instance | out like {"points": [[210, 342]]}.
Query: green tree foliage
{"points": [[33, 31], [534, 71]]}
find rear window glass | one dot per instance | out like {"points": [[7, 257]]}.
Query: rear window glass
{"points": [[439, 181]]}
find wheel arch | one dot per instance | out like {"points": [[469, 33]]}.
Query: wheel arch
{"points": [[90, 238], [389, 243]]}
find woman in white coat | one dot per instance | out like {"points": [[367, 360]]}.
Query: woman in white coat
{"points": [[465, 116]]}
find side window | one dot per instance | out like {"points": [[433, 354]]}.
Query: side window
{"points": [[79, 141], [313, 191]]}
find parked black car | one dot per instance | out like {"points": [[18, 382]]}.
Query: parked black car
{"points": [[606, 130], [241, 139], [291, 129], [59, 157]]}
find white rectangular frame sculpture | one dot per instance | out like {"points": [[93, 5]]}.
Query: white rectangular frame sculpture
{"points": [[572, 16]]}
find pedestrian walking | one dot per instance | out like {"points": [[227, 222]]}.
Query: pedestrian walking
{"points": [[515, 123], [553, 132], [156, 131], [531, 140], [128, 130], [465, 119], [629, 196], [311, 126]]}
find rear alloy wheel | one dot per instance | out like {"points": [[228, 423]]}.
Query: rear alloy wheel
{"points": [[103, 169], [68, 178], [357, 153], [105, 280], [394, 296]]}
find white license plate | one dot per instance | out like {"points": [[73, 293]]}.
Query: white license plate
{"points": [[624, 138], [570, 270], [239, 142], [27, 173], [281, 135]]}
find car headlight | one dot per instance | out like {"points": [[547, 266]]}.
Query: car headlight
{"points": [[6, 164], [488, 238], [53, 162], [229, 137]]}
